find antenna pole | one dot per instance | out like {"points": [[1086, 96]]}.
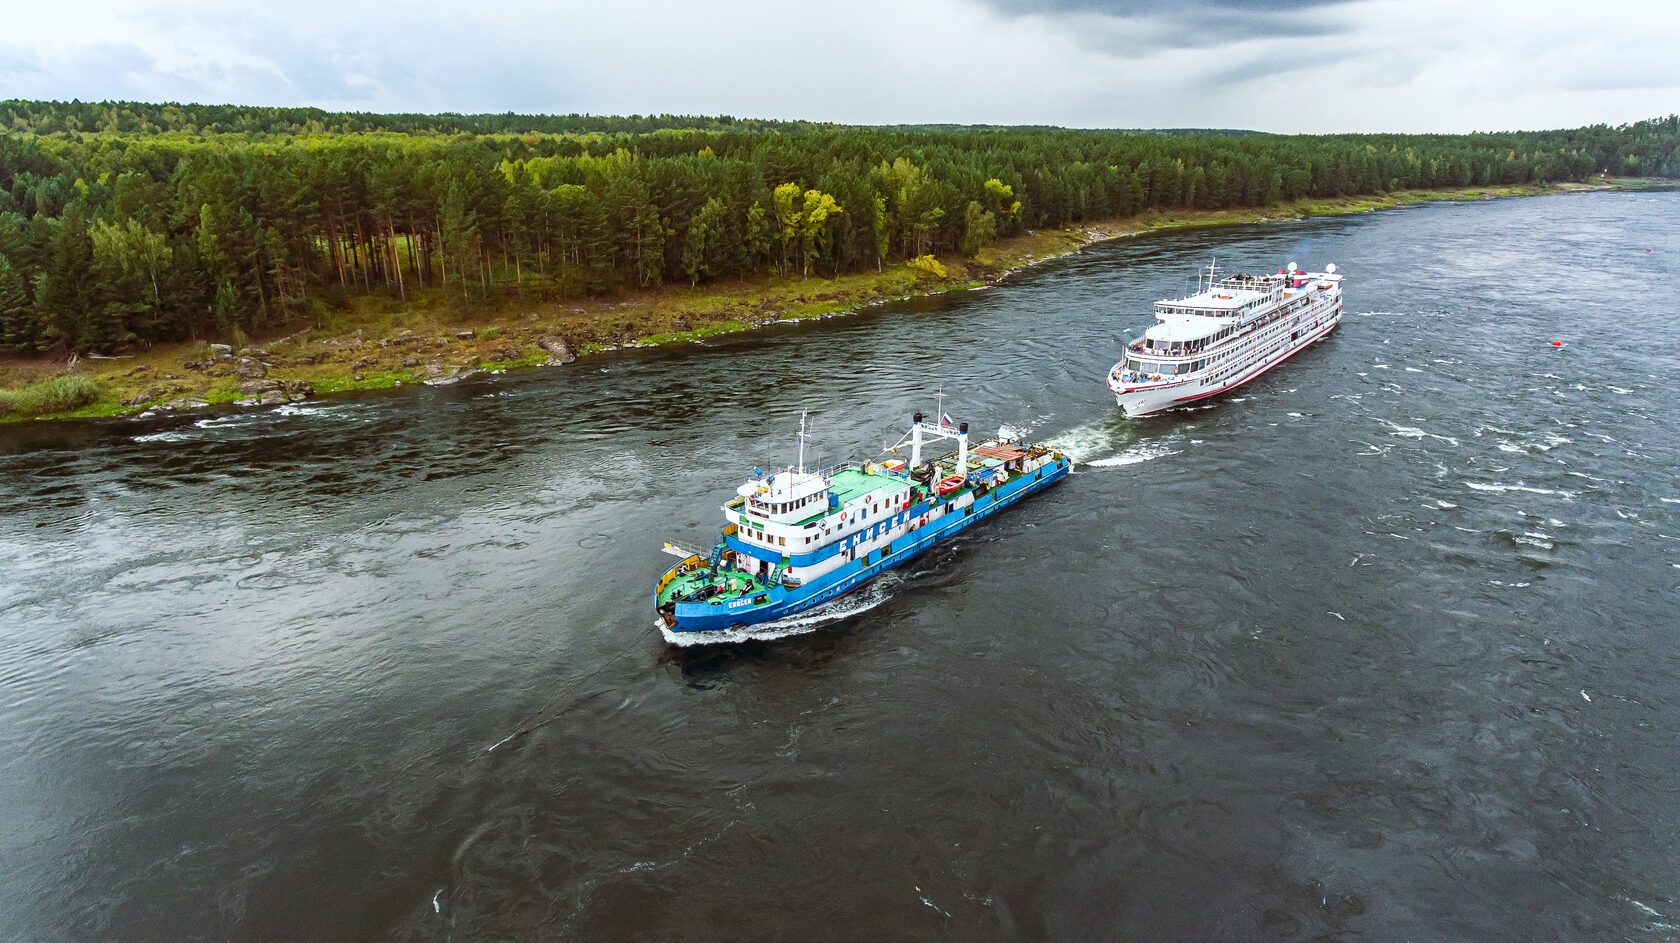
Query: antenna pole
{"points": [[802, 441]]}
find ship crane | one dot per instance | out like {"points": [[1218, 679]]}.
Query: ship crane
{"points": [[920, 429]]}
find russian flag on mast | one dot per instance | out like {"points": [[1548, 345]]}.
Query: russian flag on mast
{"points": [[945, 419]]}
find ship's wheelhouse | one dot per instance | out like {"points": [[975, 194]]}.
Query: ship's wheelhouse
{"points": [[786, 497]]}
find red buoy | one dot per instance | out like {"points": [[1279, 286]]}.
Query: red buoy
{"points": [[1557, 343]]}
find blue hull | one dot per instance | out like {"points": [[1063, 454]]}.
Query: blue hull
{"points": [[701, 617]]}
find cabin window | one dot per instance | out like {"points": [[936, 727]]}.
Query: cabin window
{"points": [[782, 541]]}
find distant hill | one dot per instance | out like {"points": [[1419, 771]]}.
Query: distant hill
{"points": [[144, 117], [126, 117], [971, 128]]}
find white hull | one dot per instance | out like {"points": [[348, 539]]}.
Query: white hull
{"points": [[1149, 400]]}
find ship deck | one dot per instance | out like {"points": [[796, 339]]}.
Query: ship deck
{"points": [[730, 584]]}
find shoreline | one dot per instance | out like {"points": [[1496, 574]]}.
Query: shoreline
{"points": [[382, 343]]}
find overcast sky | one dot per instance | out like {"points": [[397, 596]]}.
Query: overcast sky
{"points": [[1269, 65]]}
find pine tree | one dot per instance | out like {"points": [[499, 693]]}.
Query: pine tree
{"points": [[17, 322]]}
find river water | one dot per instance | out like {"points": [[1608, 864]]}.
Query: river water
{"points": [[1381, 646]]}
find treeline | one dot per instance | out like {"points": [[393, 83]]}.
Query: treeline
{"points": [[118, 238], [106, 117], [53, 117]]}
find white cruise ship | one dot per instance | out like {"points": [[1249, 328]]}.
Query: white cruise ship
{"points": [[1225, 334]]}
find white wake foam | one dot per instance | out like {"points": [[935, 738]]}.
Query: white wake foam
{"points": [[1414, 432], [1145, 452], [1083, 442], [1519, 486], [164, 437]]}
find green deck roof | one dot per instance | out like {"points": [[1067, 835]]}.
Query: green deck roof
{"points": [[849, 483], [855, 483]]}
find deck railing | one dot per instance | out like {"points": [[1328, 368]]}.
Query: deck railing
{"points": [[671, 574]]}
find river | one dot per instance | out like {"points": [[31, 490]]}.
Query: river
{"points": [[1381, 646]]}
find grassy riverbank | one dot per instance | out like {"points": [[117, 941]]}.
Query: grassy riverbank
{"points": [[381, 342]]}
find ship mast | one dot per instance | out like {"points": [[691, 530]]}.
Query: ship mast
{"points": [[802, 415]]}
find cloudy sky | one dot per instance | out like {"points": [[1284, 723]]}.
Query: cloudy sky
{"points": [[1270, 65]]}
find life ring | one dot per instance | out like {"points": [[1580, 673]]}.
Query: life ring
{"points": [[950, 483]]}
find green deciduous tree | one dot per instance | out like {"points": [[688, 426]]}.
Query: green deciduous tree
{"points": [[979, 226], [818, 211]]}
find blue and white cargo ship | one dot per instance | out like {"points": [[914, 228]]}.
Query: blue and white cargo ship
{"points": [[799, 537]]}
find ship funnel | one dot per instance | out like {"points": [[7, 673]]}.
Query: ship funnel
{"points": [[963, 428], [916, 418]]}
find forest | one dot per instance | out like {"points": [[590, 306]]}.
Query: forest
{"points": [[124, 224]]}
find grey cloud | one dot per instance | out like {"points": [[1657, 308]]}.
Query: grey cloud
{"points": [[1135, 8], [1091, 63], [444, 60], [1270, 66], [75, 73], [1632, 69], [1131, 28], [19, 61]]}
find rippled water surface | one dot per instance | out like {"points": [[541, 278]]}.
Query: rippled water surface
{"points": [[1382, 646]]}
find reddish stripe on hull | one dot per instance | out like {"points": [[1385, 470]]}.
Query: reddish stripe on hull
{"points": [[1298, 348]]}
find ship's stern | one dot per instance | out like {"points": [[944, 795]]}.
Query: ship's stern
{"points": [[695, 619]]}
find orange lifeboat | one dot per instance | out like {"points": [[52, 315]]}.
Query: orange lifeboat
{"points": [[950, 484]]}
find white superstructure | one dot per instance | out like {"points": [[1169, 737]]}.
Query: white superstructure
{"points": [[1228, 332]]}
